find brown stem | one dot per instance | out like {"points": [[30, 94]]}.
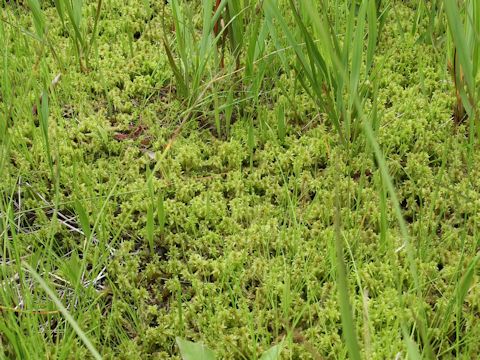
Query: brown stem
{"points": [[217, 23]]}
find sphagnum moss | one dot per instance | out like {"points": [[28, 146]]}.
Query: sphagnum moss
{"points": [[247, 255]]}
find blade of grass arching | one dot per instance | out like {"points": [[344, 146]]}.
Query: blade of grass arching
{"points": [[38, 17], [74, 13], [60, 11], [348, 324], [388, 183], [64, 312], [179, 29]]}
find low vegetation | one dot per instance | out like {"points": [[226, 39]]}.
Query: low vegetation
{"points": [[239, 179]]}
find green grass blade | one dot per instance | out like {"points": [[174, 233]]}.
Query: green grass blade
{"points": [[60, 11], [43, 117], [207, 26], [475, 24], [194, 351], [64, 312], [460, 41], [235, 22], [348, 324], [229, 111], [281, 124], [251, 142], [357, 55], [274, 13], [273, 353], [412, 347], [93, 36], [410, 252], [150, 211], [372, 32], [74, 12], [181, 81], [38, 17], [161, 214], [83, 218], [465, 283]]}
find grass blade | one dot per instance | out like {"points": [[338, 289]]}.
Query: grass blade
{"points": [[273, 353], [150, 211], [64, 312], [281, 125], [181, 81], [193, 351], [458, 35], [38, 18], [372, 32], [348, 324]]}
